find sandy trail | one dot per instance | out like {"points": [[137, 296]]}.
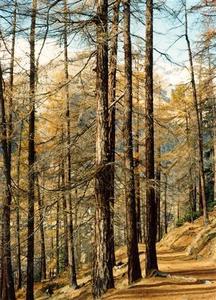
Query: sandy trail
{"points": [[188, 279]]}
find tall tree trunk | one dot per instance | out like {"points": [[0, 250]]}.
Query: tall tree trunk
{"points": [[198, 120], [71, 251], [19, 268], [112, 119], [191, 182], [102, 268], [151, 205], [7, 289], [42, 236], [64, 206], [134, 270], [137, 166], [31, 160]]}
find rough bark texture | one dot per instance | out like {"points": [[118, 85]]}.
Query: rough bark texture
{"points": [[31, 160], [151, 205], [199, 124], [134, 270], [7, 284], [112, 119], [102, 269]]}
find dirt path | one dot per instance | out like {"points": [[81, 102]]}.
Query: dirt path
{"points": [[189, 279]]}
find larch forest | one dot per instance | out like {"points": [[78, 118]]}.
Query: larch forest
{"points": [[107, 149]]}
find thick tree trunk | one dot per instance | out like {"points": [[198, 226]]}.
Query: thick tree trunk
{"points": [[134, 270], [112, 119], [71, 251], [199, 125], [151, 205], [102, 268], [7, 288], [31, 160]]}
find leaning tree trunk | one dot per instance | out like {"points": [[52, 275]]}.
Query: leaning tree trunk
{"points": [[112, 118], [134, 270], [102, 268], [7, 285], [199, 124], [31, 160], [151, 205], [71, 251]]}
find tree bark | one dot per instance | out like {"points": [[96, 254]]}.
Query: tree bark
{"points": [[42, 235], [102, 267], [112, 119], [64, 206], [31, 159], [134, 270], [19, 268], [192, 204], [151, 205], [7, 288], [137, 164]]}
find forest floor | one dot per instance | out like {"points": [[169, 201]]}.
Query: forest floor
{"points": [[189, 276]]}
